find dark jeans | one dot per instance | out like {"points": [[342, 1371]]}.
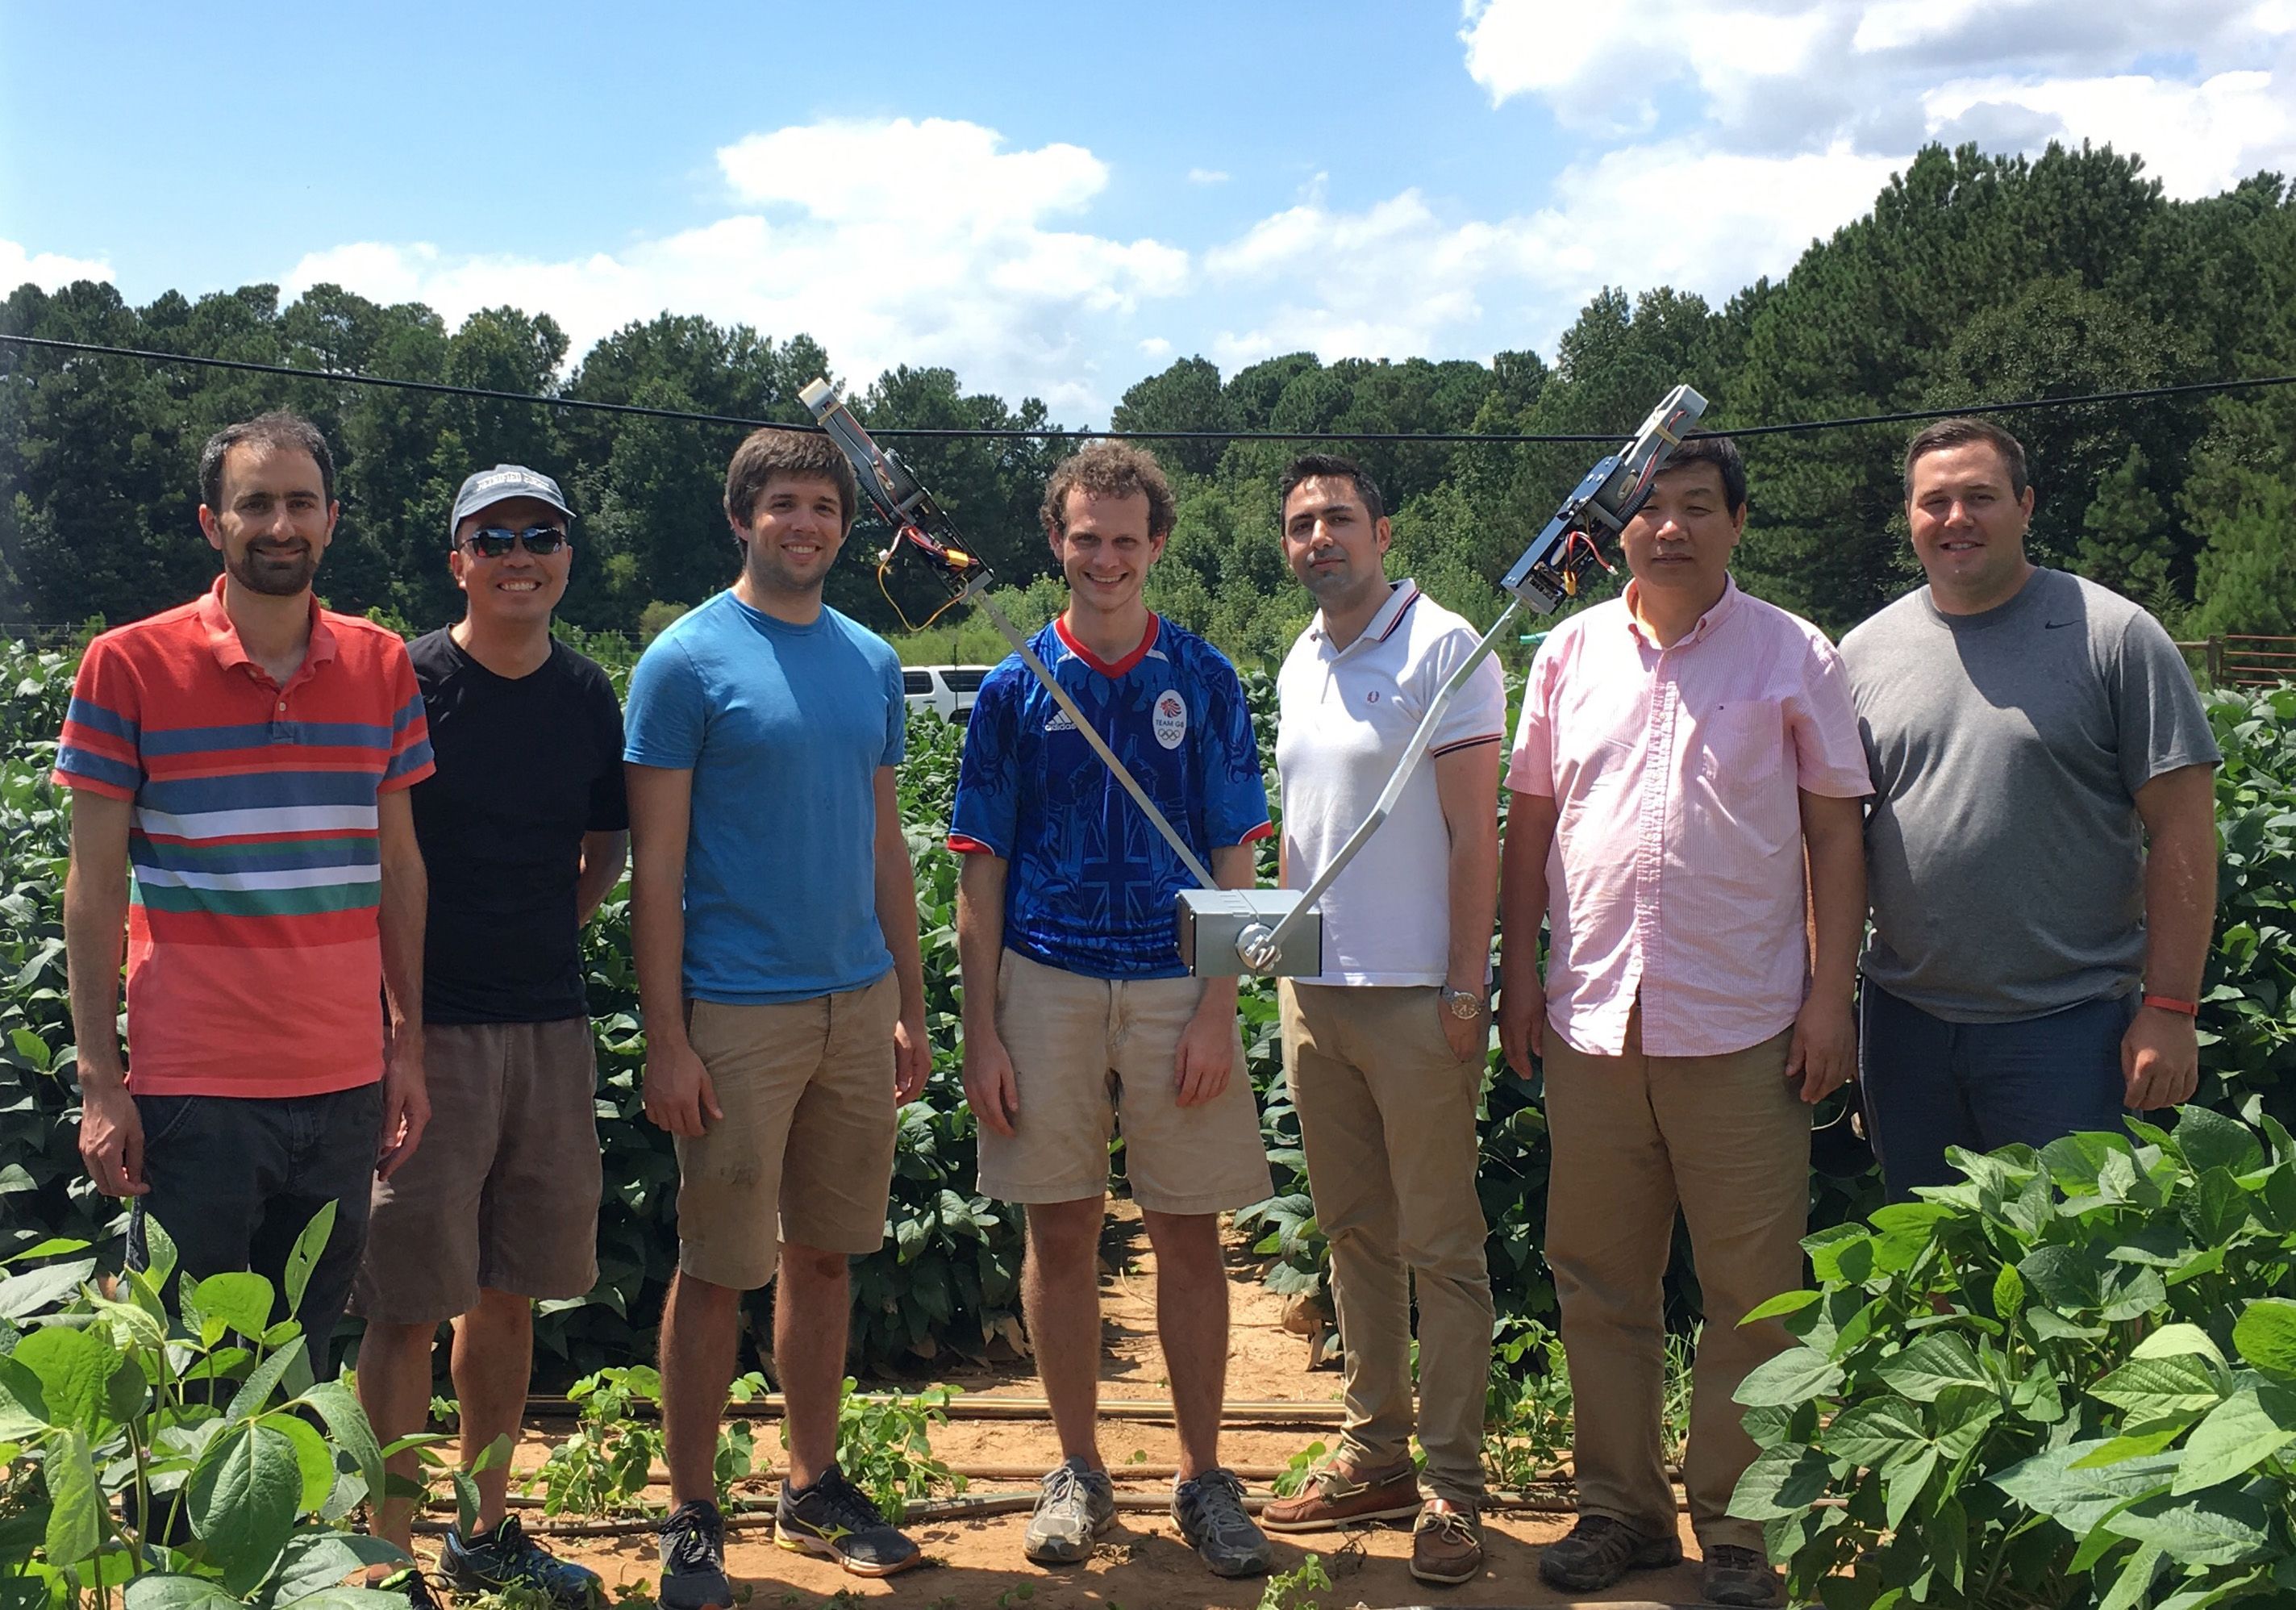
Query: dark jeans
{"points": [[234, 1179], [1930, 1084]]}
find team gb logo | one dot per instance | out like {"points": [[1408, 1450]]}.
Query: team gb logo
{"points": [[1172, 718]]}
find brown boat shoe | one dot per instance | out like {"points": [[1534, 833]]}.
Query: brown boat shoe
{"points": [[1447, 1545], [1336, 1497]]}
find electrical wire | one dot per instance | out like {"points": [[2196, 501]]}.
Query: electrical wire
{"points": [[1058, 433]]}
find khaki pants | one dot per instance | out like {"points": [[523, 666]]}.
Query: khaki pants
{"points": [[1387, 1120], [1727, 1139]]}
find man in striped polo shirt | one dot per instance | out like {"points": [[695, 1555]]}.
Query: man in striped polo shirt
{"points": [[239, 768]]}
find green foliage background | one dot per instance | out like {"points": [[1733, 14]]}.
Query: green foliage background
{"points": [[1973, 278]]}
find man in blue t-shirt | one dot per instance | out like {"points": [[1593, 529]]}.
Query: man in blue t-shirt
{"points": [[775, 926], [1078, 1013]]}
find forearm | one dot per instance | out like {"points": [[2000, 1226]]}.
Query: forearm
{"points": [[1472, 887], [603, 857], [406, 908], [2180, 903], [980, 944], [897, 915], [95, 926], [657, 948], [1837, 903]]}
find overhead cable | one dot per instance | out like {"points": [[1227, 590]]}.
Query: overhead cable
{"points": [[1058, 433]]}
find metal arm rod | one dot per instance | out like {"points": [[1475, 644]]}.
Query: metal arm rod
{"points": [[1196, 868], [1268, 948]]}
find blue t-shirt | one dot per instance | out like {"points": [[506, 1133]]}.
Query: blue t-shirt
{"points": [[784, 728], [1092, 885]]}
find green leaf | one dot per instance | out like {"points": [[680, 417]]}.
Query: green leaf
{"points": [[1902, 1486], [304, 1256], [74, 1368], [313, 1458], [1793, 1376], [2209, 1139], [1963, 1414], [1930, 1364], [254, 1393], [1784, 1303], [2158, 1389], [2222, 1529], [23, 1402], [159, 1252], [1877, 1432], [2065, 1279], [239, 1299], [166, 1590], [2127, 1447], [2178, 1340], [316, 1561], [2135, 1580], [242, 1496], [2052, 1483], [23, 1295], [76, 1503], [2237, 1435], [1780, 1481], [2266, 1336], [347, 1423], [2051, 1327], [2008, 1294]]}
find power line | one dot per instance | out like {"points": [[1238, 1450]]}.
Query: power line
{"points": [[1057, 433]]}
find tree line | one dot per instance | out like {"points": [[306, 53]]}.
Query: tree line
{"points": [[1973, 278]]}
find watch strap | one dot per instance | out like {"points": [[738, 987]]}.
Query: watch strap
{"points": [[2169, 1003]]}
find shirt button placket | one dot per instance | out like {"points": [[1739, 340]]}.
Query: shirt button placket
{"points": [[1658, 770]]}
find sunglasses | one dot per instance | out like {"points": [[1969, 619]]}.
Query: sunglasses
{"points": [[494, 541]]}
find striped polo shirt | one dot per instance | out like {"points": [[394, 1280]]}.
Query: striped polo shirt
{"points": [[254, 951]]}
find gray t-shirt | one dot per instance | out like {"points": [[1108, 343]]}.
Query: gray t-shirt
{"points": [[2004, 856]]}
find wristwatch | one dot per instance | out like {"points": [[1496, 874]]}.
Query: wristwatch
{"points": [[1465, 1005]]}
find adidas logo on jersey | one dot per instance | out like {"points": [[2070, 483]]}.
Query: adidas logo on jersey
{"points": [[1060, 722]]}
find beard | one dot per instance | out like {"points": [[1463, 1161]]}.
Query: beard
{"points": [[277, 573]]}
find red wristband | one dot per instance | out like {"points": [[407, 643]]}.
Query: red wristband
{"points": [[2169, 1003]]}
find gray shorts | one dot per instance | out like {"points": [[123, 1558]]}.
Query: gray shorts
{"points": [[502, 1191]]}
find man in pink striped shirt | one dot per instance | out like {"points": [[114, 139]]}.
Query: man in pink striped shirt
{"points": [[1684, 752]]}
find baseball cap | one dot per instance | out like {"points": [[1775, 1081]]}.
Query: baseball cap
{"points": [[484, 488]]}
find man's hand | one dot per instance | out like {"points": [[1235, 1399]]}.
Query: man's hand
{"points": [[1825, 1049], [678, 1095], [1522, 1023], [989, 1087], [111, 1140], [405, 1102], [912, 1056], [2159, 1059], [1469, 1038], [1206, 1056]]}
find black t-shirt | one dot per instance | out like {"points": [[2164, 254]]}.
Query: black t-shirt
{"points": [[526, 768]]}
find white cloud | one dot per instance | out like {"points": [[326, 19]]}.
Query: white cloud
{"points": [[49, 270], [1155, 347], [890, 241], [1206, 175], [2195, 138]]}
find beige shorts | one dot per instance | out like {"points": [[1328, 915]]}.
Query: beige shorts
{"points": [[1093, 1055], [805, 1151], [501, 1192]]}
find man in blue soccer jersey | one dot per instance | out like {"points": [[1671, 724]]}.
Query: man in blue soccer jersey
{"points": [[1078, 1013]]}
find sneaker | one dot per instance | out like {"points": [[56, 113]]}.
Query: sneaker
{"points": [[1601, 1550], [1077, 1504], [693, 1559], [1447, 1545], [1209, 1511], [506, 1557], [836, 1518], [1738, 1576], [1336, 1497], [409, 1582]]}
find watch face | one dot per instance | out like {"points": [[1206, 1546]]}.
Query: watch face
{"points": [[1464, 1007]]}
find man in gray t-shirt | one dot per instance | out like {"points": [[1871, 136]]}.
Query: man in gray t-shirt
{"points": [[2041, 850]]}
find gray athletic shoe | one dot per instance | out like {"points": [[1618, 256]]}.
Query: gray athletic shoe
{"points": [[1209, 1513], [1077, 1504]]}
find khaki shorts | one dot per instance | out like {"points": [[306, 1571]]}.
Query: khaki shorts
{"points": [[501, 1192], [1090, 1053], [804, 1152]]}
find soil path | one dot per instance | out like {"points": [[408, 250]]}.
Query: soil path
{"points": [[1142, 1564]]}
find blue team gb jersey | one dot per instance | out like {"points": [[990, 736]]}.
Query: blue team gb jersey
{"points": [[1092, 886]]}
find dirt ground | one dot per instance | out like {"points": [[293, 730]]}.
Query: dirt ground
{"points": [[1141, 1564]]}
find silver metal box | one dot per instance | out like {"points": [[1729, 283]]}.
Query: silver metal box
{"points": [[1211, 921]]}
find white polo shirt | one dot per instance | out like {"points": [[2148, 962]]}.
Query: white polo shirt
{"points": [[1344, 717]]}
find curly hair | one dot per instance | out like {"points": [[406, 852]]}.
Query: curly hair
{"points": [[1110, 469]]}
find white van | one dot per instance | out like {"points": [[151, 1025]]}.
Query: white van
{"points": [[949, 689]]}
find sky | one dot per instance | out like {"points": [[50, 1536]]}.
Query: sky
{"points": [[1057, 200]]}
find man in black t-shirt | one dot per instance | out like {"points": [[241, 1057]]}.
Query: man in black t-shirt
{"points": [[523, 830]]}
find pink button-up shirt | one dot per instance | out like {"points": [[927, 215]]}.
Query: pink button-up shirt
{"points": [[1676, 870]]}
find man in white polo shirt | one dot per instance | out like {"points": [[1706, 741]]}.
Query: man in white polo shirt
{"points": [[1386, 1048]]}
